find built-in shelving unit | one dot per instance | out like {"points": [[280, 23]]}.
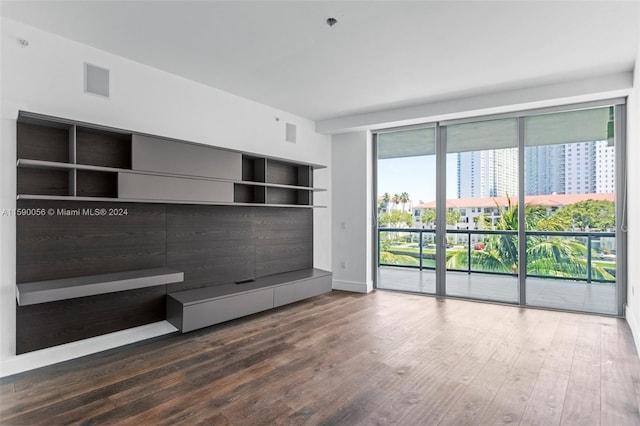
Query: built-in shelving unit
{"points": [[183, 231], [274, 182], [63, 159], [32, 293]]}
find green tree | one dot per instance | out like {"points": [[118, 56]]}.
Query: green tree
{"points": [[453, 216], [482, 221], [592, 215], [429, 216], [547, 256], [396, 219]]}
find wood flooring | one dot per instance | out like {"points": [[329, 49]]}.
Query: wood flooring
{"points": [[350, 359]]}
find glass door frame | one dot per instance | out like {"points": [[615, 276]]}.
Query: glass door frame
{"points": [[375, 252], [441, 151]]}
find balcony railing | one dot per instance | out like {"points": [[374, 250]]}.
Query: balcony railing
{"points": [[576, 256]]}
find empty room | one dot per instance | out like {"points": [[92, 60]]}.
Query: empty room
{"points": [[320, 212]]}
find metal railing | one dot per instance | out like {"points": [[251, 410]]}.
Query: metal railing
{"points": [[415, 248]]}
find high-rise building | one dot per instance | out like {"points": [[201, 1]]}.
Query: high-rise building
{"points": [[575, 168], [605, 167], [545, 169], [489, 173], [580, 171]]}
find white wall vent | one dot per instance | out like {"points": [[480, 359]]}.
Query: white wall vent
{"points": [[96, 80], [291, 133]]}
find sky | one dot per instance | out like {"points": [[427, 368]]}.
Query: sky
{"points": [[416, 176]]}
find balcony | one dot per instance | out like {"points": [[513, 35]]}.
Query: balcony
{"points": [[582, 278]]}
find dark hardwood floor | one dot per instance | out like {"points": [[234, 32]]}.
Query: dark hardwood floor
{"points": [[345, 359]]}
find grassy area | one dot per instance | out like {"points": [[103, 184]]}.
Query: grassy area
{"points": [[604, 264], [415, 250]]}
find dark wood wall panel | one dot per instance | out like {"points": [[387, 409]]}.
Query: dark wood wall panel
{"points": [[63, 246], [43, 143], [103, 149], [284, 240], [210, 244], [51, 324], [59, 246]]}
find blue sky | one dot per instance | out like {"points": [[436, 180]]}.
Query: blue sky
{"points": [[416, 176]]}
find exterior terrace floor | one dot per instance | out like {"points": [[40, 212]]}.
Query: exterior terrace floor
{"points": [[547, 293]]}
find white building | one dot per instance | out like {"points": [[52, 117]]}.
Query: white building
{"points": [[605, 167], [579, 169]]}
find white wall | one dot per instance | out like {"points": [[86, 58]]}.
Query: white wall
{"points": [[582, 90], [352, 211], [633, 204], [47, 77]]}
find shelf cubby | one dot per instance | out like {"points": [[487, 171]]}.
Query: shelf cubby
{"points": [[283, 173], [50, 142], [253, 169], [54, 182], [248, 193], [277, 195], [96, 184], [103, 148]]}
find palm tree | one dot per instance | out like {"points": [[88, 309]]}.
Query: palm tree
{"points": [[395, 199], [404, 199], [546, 255], [388, 258], [385, 201], [482, 222]]}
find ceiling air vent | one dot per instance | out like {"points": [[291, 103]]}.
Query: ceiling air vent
{"points": [[291, 133], [96, 80]]}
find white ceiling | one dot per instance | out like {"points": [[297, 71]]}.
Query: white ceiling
{"points": [[380, 54]]}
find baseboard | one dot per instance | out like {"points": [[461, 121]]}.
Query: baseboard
{"points": [[353, 286], [634, 325], [32, 360]]}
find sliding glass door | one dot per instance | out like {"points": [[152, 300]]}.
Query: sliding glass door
{"points": [[481, 216], [406, 206], [522, 208], [570, 173]]}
